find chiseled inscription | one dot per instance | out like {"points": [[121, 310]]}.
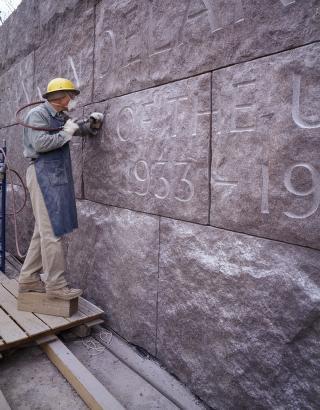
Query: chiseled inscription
{"points": [[243, 114], [301, 122], [154, 127], [139, 44], [314, 190], [287, 2], [151, 181]]}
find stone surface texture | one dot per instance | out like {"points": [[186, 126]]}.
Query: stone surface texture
{"points": [[239, 317], [153, 152], [143, 43], [266, 147], [70, 53], [16, 89], [22, 32], [199, 199], [114, 257]]}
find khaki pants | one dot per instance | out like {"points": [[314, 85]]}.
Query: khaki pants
{"points": [[45, 252]]}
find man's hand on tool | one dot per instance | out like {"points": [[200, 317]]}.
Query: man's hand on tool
{"points": [[70, 127], [96, 120]]}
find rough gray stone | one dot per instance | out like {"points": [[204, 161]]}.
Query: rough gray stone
{"points": [[153, 153], [143, 43], [25, 221], [53, 13], [238, 317], [76, 159], [114, 257], [16, 89], [22, 28], [3, 46], [266, 147], [70, 53]]}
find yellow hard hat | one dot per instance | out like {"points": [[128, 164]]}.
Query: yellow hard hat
{"points": [[60, 84]]}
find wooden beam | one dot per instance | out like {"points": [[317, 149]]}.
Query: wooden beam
{"points": [[4, 405], [92, 392]]}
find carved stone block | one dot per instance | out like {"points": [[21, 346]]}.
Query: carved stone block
{"points": [[152, 154], [238, 317], [70, 53], [143, 43], [266, 147], [16, 89], [114, 257]]}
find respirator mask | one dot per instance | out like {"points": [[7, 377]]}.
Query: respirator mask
{"points": [[72, 104]]}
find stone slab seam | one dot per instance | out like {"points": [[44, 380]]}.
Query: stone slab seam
{"points": [[210, 154], [200, 224], [94, 50], [157, 301], [159, 84]]}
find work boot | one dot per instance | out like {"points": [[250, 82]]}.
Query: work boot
{"points": [[36, 286], [66, 293]]}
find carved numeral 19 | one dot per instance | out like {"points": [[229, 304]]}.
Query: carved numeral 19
{"points": [[314, 190]]}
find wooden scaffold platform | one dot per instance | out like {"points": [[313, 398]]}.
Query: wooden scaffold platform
{"points": [[18, 327]]}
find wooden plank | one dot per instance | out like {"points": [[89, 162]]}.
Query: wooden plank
{"points": [[39, 303], [9, 331], [52, 321], [92, 392], [89, 308], [55, 321], [26, 320], [4, 405]]}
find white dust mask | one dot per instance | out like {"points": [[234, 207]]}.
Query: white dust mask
{"points": [[72, 104]]}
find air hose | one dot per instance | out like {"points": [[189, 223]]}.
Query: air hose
{"points": [[15, 211], [10, 171], [20, 122]]}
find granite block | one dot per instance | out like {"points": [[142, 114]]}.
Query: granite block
{"points": [[143, 43], [70, 53], [238, 318], [22, 32], [266, 149], [152, 153], [114, 257], [16, 89]]}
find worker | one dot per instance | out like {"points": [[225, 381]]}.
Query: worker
{"points": [[50, 184]]}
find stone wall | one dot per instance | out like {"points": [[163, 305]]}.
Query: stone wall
{"points": [[199, 200]]}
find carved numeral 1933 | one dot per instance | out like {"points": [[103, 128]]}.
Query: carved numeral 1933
{"points": [[161, 186]]}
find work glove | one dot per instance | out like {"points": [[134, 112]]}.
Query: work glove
{"points": [[70, 127], [96, 120]]}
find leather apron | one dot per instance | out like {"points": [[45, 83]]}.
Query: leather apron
{"points": [[54, 175]]}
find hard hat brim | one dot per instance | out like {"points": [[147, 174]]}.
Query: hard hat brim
{"points": [[72, 90]]}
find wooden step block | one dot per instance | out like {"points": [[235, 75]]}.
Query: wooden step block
{"points": [[39, 303]]}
